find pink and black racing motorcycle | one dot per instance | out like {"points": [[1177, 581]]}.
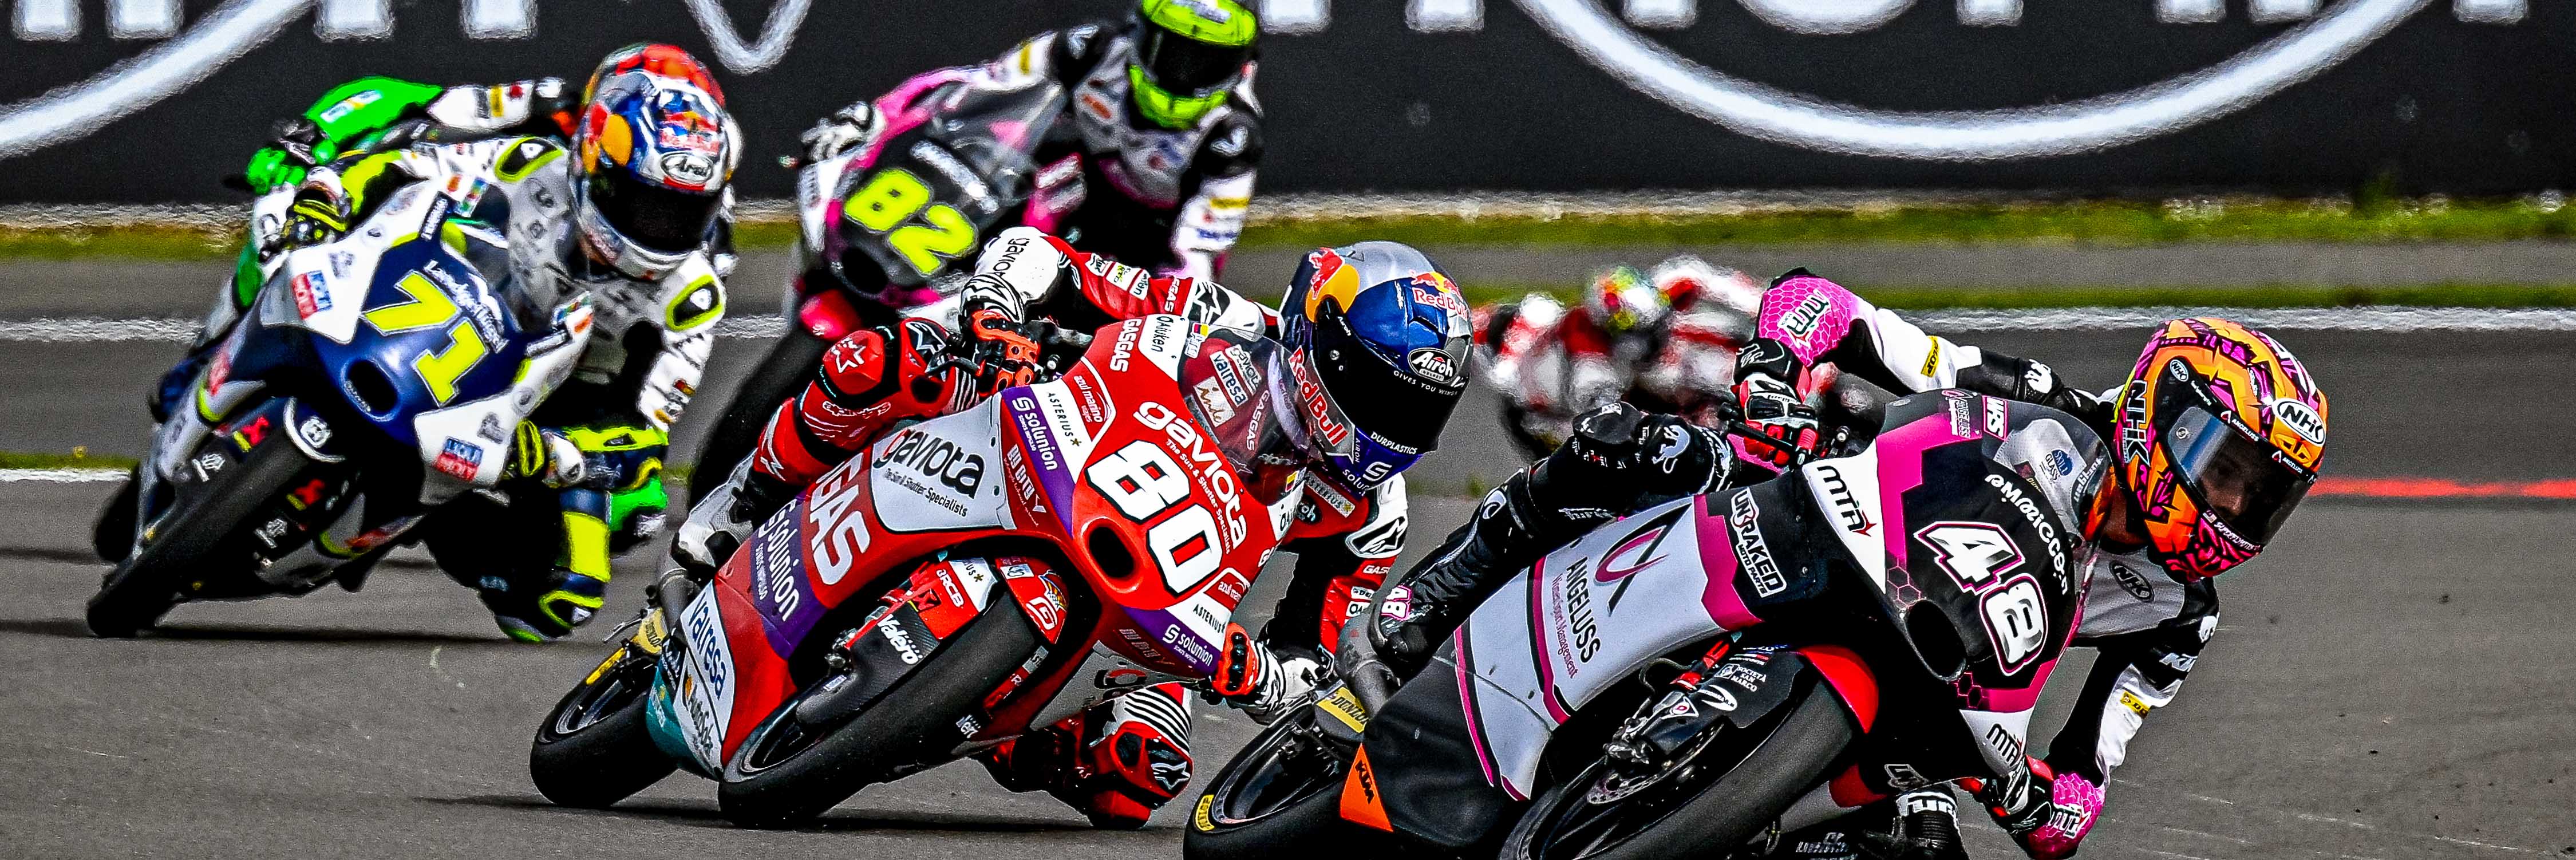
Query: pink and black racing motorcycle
{"points": [[892, 226], [1684, 679], [964, 579]]}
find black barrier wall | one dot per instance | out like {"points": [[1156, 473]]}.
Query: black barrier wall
{"points": [[2116, 96]]}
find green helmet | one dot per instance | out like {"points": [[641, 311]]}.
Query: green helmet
{"points": [[1189, 53]]}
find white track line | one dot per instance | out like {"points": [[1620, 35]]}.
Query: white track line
{"points": [[60, 476], [2369, 319]]}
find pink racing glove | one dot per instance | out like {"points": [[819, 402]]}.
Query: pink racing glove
{"points": [[2051, 830]]}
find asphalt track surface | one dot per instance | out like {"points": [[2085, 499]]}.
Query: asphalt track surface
{"points": [[2390, 680]]}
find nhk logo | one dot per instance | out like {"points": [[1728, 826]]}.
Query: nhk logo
{"points": [[2319, 38], [237, 27]]}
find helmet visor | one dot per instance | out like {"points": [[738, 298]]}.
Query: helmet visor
{"points": [[1186, 67], [2236, 479], [652, 216], [1233, 386]]}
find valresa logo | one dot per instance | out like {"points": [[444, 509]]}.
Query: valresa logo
{"points": [[2322, 34]]}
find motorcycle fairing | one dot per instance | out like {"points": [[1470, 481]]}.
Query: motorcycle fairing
{"points": [[1535, 652], [880, 513]]}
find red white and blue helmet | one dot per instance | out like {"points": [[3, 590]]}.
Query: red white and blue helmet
{"points": [[1377, 340], [655, 149]]}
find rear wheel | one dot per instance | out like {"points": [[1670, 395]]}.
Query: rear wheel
{"points": [[780, 375], [787, 771], [1703, 807], [1280, 797], [201, 534], [594, 750]]}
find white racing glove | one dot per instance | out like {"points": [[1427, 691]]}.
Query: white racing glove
{"points": [[845, 129]]}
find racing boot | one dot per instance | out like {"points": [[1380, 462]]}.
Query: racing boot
{"points": [[1263, 680], [545, 610], [1619, 459], [1117, 762]]}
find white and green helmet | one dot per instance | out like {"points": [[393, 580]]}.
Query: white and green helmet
{"points": [[1189, 53]]}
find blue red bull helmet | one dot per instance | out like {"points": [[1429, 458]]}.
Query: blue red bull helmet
{"points": [[656, 149], [1377, 341]]}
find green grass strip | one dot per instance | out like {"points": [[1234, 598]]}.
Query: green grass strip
{"points": [[2116, 222], [77, 459]]}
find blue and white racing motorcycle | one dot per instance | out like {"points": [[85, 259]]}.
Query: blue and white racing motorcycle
{"points": [[374, 378]]}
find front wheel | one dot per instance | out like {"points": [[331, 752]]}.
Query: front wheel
{"points": [[198, 537], [1279, 798], [788, 771], [594, 749], [1687, 813]]}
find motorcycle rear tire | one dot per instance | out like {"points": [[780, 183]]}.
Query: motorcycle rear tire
{"points": [[1304, 827], [597, 764], [146, 585], [1790, 761], [780, 375], [910, 724]]}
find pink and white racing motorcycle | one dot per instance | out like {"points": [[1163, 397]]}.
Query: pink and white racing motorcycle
{"points": [[1684, 679]]}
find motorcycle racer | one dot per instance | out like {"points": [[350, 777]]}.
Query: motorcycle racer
{"points": [[1375, 335], [2213, 440], [1164, 118], [1668, 334], [625, 217]]}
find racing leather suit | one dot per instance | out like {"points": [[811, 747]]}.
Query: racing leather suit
{"points": [[2148, 628], [1171, 201], [600, 439], [1345, 541]]}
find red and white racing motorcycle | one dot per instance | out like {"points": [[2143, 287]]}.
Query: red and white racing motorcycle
{"points": [[964, 579]]}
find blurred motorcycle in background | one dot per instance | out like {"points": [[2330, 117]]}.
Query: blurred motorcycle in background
{"points": [[1664, 339], [883, 227]]}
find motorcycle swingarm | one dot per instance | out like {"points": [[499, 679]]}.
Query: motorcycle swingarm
{"points": [[938, 601]]}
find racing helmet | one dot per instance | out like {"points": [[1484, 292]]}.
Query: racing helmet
{"points": [[2220, 433], [655, 148], [1377, 340], [1188, 55], [1622, 300]]}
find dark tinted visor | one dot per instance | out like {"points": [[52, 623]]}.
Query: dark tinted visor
{"points": [[1186, 66], [1232, 387], [2234, 478], [649, 215], [1382, 399]]}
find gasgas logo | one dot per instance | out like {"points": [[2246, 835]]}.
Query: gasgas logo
{"points": [[2320, 35]]}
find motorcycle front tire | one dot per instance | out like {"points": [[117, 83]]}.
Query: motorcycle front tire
{"points": [[1788, 762], [907, 725], [594, 763], [1305, 826], [147, 583]]}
